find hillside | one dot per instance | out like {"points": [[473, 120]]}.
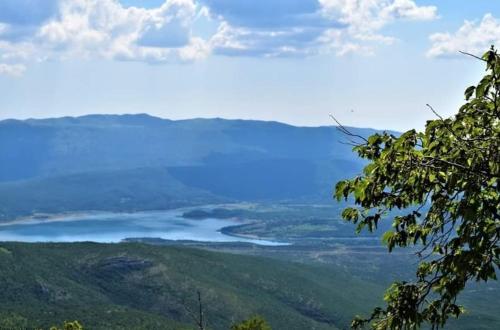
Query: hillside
{"points": [[148, 287], [43, 147], [133, 162], [106, 190]]}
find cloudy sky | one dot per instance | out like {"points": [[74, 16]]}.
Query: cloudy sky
{"points": [[372, 63]]}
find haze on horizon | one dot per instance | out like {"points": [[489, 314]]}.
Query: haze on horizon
{"points": [[371, 63]]}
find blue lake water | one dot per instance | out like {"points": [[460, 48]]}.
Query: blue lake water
{"points": [[114, 227]]}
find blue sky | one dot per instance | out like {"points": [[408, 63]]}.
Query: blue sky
{"points": [[371, 63]]}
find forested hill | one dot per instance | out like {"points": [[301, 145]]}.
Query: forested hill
{"points": [[167, 162], [136, 286]]}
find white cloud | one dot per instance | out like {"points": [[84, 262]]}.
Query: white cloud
{"points": [[21, 51], [408, 9], [243, 41], [87, 29], [470, 37], [365, 18], [106, 29], [374, 14], [14, 70], [309, 26]]}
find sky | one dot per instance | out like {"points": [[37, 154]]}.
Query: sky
{"points": [[370, 63]]}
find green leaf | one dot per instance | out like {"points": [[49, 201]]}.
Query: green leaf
{"points": [[450, 173], [469, 91]]}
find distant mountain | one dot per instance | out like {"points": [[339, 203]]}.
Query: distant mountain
{"points": [[225, 159]]}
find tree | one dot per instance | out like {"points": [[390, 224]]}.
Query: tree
{"points": [[253, 323], [444, 182], [75, 325], [199, 315]]}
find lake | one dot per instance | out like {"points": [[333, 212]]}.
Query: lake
{"points": [[114, 227]]}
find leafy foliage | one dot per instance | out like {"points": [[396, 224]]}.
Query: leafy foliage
{"points": [[253, 323], [445, 183]]}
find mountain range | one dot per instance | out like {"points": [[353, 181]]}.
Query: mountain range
{"points": [[140, 162]]}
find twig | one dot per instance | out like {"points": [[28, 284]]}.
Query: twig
{"points": [[472, 55], [198, 319], [435, 112], [344, 130]]}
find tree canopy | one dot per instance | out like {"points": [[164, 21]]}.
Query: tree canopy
{"points": [[443, 184], [75, 325], [253, 323]]}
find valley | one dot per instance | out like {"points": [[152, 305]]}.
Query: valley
{"points": [[96, 227]]}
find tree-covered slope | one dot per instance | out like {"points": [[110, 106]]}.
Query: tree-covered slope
{"points": [[107, 190], [33, 148], [135, 286], [139, 162]]}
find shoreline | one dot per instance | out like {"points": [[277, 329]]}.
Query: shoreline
{"points": [[227, 231], [63, 216], [53, 217], [176, 214], [68, 216]]}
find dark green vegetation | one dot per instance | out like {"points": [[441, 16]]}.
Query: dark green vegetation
{"points": [[254, 323], [286, 222], [139, 162], [120, 191], [447, 182], [368, 262], [219, 213], [295, 223], [68, 325], [137, 286]]}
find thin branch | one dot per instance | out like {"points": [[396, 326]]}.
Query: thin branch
{"points": [[201, 324], [465, 168], [435, 112], [197, 317], [350, 143], [459, 138], [344, 130], [472, 55]]}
